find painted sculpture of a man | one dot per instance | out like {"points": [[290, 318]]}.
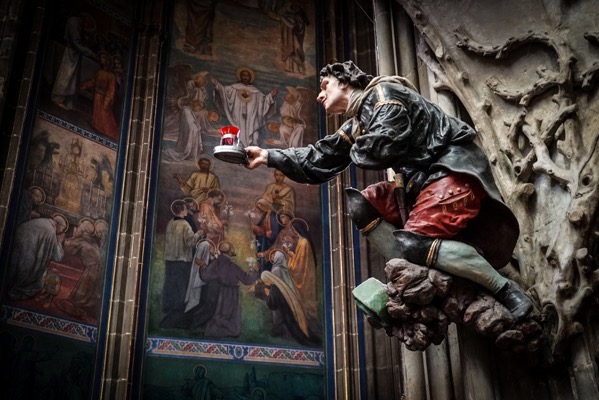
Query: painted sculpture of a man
{"points": [[456, 221]]}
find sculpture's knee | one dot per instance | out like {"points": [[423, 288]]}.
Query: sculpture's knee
{"points": [[362, 213]]}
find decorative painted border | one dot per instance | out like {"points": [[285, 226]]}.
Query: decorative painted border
{"points": [[73, 128], [234, 351], [48, 324]]}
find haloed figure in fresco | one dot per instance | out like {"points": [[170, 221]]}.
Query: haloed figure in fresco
{"points": [[37, 242], [200, 182], [455, 207], [279, 194], [178, 255], [226, 315], [245, 105], [67, 77]]}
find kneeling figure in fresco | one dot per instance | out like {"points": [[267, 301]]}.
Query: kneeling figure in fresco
{"points": [[443, 211]]}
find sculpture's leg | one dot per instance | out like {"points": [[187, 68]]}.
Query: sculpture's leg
{"points": [[451, 256], [460, 259]]}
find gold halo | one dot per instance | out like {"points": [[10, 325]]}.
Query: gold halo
{"points": [[200, 76], [189, 200], [303, 221], [213, 116], [273, 250], [249, 70], [66, 221], [176, 202], [204, 158], [41, 190], [195, 369], [101, 227], [212, 245]]}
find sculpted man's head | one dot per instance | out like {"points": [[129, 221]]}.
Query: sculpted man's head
{"points": [[346, 72], [337, 82]]}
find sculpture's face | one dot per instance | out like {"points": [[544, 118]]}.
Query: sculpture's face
{"points": [[334, 95]]}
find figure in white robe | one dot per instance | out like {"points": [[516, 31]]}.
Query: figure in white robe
{"points": [[202, 257], [245, 105], [189, 144], [292, 124]]}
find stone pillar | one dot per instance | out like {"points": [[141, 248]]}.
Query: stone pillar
{"points": [[122, 335]]}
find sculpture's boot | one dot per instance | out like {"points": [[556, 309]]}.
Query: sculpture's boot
{"points": [[515, 300], [461, 259]]}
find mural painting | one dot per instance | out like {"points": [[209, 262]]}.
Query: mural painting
{"points": [[236, 292], [56, 258], [64, 214], [44, 368]]}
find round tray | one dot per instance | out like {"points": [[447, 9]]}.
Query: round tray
{"points": [[230, 154]]}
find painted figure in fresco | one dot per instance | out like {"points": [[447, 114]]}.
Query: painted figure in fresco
{"points": [[192, 215], [29, 206], [265, 231], [279, 194], [245, 105], [201, 388], [293, 29], [200, 297], [209, 216], [204, 253], [180, 242], [200, 182], [293, 125], [25, 370], [104, 86], [37, 242], [280, 269], [189, 145], [103, 173], [458, 209], [67, 77], [190, 117], [83, 252], [75, 380], [226, 321], [277, 289], [196, 87], [295, 239], [198, 31], [43, 151], [52, 284]]}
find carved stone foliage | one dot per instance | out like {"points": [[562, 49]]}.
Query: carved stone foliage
{"points": [[527, 73]]}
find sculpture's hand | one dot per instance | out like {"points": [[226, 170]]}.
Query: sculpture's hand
{"points": [[256, 157]]}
